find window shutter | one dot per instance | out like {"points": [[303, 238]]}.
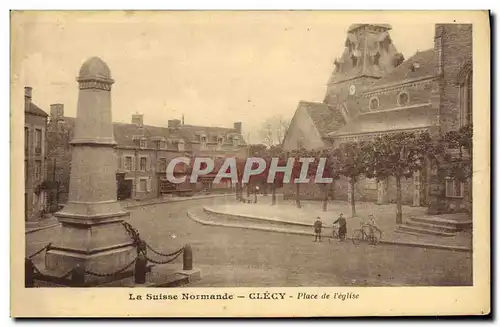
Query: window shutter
{"points": [[133, 163], [149, 184]]}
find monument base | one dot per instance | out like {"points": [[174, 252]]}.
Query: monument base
{"points": [[98, 243], [108, 261]]}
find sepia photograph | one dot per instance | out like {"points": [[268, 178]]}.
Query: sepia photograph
{"points": [[221, 156]]}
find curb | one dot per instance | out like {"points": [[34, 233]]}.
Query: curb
{"points": [[177, 200], [36, 229], [286, 222], [287, 231]]}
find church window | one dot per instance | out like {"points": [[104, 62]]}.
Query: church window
{"points": [[373, 103], [466, 99], [454, 188], [403, 99]]}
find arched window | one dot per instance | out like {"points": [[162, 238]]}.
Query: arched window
{"points": [[403, 99], [465, 95], [373, 103]]}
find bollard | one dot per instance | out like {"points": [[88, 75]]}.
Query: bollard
{"points": [[140, 268], [29, 272], [78, 276], [187, 258]]}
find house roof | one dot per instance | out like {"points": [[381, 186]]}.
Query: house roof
{"points": [[423, 63], [189, 132], [325, 118], [33, 109], [413, 117], [124, 133]]}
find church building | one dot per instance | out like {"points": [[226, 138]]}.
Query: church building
{"points": [[373, 90]]}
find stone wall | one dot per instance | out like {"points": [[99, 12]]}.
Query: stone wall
{"points": [[456, 44]]}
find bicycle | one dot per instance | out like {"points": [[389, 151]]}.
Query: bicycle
{"points": [[335, 234], [361, 235]]}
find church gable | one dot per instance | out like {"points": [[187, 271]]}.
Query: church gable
{"points": [[303, 132]]}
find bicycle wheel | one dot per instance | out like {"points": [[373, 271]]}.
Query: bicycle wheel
{"points": [[357, 237]]}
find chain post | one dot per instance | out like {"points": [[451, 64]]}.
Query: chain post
{"points": [[140, 268], [29, 273], [187, 258], [78, 276]]}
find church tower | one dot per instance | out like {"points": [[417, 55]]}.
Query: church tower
{"points": [[368, 55]]}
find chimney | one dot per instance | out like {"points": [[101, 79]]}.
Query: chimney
{"points": [[237, 127], [182, 119], [56, 111], [138, 119], [27, 97], [174, 123]]}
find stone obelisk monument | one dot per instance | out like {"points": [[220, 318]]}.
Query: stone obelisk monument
{"points": [[92, 231]]}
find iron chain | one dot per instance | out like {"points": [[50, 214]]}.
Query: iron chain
{"points": [[92, 273]]}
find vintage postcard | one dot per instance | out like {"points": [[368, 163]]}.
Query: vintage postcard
{"points": [[250, 163]]}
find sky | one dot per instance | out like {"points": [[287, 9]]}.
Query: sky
{"points": [[215, 68]]}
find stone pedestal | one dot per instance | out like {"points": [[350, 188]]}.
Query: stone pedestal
{"points": [[382, 197], [92, 232]]}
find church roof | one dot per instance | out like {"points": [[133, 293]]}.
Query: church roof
{"points": [[35, 110], [325, 118], [419, 65], [407, 118]]}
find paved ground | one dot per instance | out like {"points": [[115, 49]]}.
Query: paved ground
{"points": [[385, 218], [238, 257]]}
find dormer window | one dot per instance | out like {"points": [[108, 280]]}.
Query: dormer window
{"points": [[236, 140], [180, 145], [203, 141], [163, 144], [143, 143]]}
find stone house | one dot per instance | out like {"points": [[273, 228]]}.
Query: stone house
{"points": [[144, 151], [35, 128]]}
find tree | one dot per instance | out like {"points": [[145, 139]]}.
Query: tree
{"points": [[460, 167], [273, 130], [297, 168], [352, 161], [332, 170]]}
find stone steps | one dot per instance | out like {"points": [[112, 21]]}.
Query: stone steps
{"points": [[457, 224], [420, 230], [430, 226]]}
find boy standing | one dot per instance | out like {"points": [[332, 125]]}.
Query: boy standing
{"points": [[317, 229]]}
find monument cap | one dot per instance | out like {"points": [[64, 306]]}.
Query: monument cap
{"points": [[95, 68]]}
